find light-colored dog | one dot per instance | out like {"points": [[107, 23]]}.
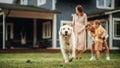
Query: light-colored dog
{"points": [[67, 42]]}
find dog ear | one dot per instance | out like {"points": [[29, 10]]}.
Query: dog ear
{"points": [[71, 29], [60, 31]]}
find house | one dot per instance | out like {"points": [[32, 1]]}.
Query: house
{"points": [[40, 20]]}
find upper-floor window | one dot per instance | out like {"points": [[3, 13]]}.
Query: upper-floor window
{"points": [[105, 4], [41, 2], [24, 2], [54, 4], [6, 1]]}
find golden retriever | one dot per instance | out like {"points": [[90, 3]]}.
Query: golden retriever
{"points": [[67, 42]]}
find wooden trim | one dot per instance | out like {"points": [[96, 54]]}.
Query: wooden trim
{"points": [[54, 35], [110, 31], [4, 30], [29, 14], [110, 12]]}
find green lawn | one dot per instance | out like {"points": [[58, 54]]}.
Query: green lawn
{"points": [[54, 60]]}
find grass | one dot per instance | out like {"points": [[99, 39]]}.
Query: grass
{"points": [[54, 60]]}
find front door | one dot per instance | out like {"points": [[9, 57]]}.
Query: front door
{"points": [[104, 23]]}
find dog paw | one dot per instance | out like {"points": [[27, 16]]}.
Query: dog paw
{"points": [[70, 60]]}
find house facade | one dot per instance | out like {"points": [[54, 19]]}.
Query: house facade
{"points": [[107, 11], [38, 20]]}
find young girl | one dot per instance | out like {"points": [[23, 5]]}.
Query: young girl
{"points": [[78, 23]]}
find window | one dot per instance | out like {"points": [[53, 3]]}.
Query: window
{"points": [[41, 2], [116, 28], [46, 30], [54, 4], [65, 23], [6, 1], [23, 2], [105, 4]]}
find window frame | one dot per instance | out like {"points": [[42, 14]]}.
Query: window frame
{"points": [[104, 6], [41, 2], [54, 4], [65, 22], [24, 2], [46, 30], [114, 31], [9, 2]]}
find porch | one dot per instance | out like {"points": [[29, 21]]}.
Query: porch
{"points": [[29, 50], [27, 27]]}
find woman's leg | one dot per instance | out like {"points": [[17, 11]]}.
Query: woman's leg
{"points": [[81, 52], [76, 53]]}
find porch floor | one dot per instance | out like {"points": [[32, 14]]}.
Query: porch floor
{"points": [[28, 50]]}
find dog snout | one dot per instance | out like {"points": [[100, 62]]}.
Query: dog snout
{"points": [[66, 32]]}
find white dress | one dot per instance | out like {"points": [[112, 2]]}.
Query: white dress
{"points": [[79, 25]]}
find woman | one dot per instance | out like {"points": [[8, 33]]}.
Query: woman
{"points": [[78, 23]]}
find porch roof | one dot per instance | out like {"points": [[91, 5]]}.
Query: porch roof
{"points": [[26, 8], [105, 12]]}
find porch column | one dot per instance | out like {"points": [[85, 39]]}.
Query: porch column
{"points": [[54, 31], [110, 31], [6, 33], [3, 31], [34, 33], [11, 32]]}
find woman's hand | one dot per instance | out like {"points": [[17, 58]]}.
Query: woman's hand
{"points": [[79, 32]]}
